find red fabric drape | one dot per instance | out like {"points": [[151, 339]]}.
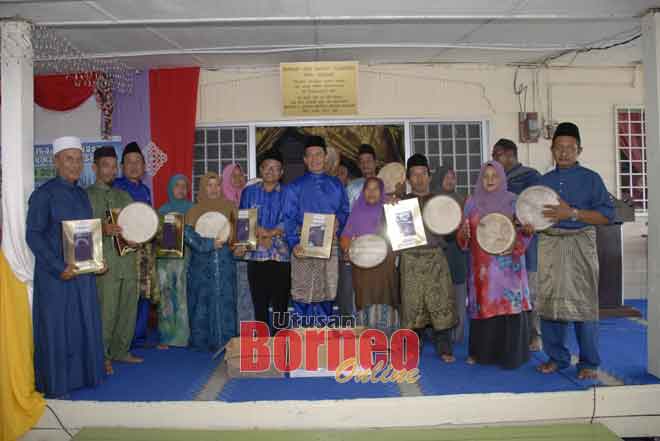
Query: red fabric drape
{"points": [[60, 92], [173, 108]]}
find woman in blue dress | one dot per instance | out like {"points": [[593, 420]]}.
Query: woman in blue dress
{"points": [[211, 272]]}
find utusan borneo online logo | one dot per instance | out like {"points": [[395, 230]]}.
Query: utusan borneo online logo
{"points": [[362, 355]]}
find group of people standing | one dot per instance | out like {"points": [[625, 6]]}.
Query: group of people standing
{"points": [[515, 303]]}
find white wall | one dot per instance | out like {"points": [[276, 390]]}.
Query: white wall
{"points": [[84, 122], [586, 96]]}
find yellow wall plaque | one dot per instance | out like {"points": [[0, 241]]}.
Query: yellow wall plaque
{"points": [[319, 88]]}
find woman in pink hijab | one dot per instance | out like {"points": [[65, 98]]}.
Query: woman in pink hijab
{"points": [[233, 182]]}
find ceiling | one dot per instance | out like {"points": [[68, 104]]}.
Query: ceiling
{"points": [[222, 34]]}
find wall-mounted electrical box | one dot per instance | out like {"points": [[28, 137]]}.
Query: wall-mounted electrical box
{"points": [[529, 127]]}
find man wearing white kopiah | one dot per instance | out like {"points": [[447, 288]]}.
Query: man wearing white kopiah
{"points": [[568, 258], [68, 341]]}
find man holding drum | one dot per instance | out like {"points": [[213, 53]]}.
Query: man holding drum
{"points": [[313, 281], [427, 291], [518, 179], [568, 258], [117, 289], [68, 341], [133, 168]]}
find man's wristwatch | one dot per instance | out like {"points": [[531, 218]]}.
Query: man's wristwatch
{"points": [[574, 215]]}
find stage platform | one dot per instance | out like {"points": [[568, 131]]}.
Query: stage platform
{"points": [[188, 389]]}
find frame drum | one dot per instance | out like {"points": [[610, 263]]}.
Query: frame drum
{"points": [[496, 234], [392, 174], [530, 206], [368, 251], [213, 225], [442, 214], [139, 222]]}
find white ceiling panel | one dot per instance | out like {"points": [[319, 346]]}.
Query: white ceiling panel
{"points": [[52, 11], [227, 36], [212, 33], [114, 40], [560, 34], [589, 7], [395, 33], [176, 9]]}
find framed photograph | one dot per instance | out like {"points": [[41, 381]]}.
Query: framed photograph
{"points": [[169, 239], [405, 227], [83, 244], [120, 244], [317, 234], [246, 228]]}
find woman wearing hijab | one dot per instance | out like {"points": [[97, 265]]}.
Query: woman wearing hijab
{"points": [[233, 183], [173, 308], [211, 272], [498, 292], [376, 289], [444, 182]]}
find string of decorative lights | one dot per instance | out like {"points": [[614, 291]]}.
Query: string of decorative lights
{"points": [[54, 54]]}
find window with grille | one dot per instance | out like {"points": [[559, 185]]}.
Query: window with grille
{"points": [[217, 147], [631, 155], [455, 144]]}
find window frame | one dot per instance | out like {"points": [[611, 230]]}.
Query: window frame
{"points": [[617, 148]]}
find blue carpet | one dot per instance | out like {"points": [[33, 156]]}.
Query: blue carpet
{"points": [[641, 305], [175, 374], [624, 351], [438, 378], [265, 389]]}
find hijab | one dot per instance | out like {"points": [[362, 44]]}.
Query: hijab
{"points": [[436, 184], [365, 218], [204, 204], [230, 192], [499, 201], [176, 205]]}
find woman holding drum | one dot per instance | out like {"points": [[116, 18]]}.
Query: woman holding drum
{"points": [[498, 292], [211, 271], [443, 182], [374, 272]]}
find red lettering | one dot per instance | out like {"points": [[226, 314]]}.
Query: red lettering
{"points": [[404, 350], [287, 342], [314, 338], [372, 341], [341, 347], [254, 352]]}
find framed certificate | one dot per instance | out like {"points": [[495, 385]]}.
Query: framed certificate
{"points": [[120, 244], [246, 228], [83, 244], [317, 234], [405, 227], [169, 239]]}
